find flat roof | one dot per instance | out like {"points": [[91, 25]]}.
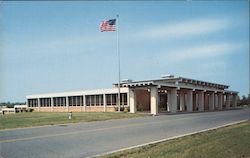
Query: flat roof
{"points": [[171, 81], [179, 79]]}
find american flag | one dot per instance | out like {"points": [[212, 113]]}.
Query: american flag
{"points": [[108, 25]]}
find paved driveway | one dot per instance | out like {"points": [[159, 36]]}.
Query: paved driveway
{"points": [[88, 139]]}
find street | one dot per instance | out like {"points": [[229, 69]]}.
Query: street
{"points": [[88, 139]]}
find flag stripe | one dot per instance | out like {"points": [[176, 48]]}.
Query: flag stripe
{"points": [[109, 25]]}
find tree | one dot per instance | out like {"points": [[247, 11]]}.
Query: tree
{"points": [[245, 100]]}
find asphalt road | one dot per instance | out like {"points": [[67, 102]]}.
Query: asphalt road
{"points": [[88, 139]]}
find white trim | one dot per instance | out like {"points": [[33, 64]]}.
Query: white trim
{"points": [[79, 93]]}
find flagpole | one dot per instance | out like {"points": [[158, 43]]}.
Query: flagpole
{"points": [[118, 54]]}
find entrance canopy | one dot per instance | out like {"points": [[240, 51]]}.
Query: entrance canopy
{"points": [[180, 94]]}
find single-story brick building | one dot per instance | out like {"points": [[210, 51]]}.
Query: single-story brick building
{"points": [[167, 94]]}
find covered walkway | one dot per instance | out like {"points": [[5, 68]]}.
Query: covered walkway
{"points": [[180, 95]]}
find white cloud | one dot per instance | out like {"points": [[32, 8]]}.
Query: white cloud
{"points": [[184, 28], [201, 52]]}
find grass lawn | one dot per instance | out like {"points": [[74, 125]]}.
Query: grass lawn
{"points": [[228, 142], [50, 118]]}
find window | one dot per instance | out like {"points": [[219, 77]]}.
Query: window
{"points": [[101, 100], [92, 100], [63, 99], [123, 98], [33, 102], [97, 100], [79, 100], [114, 100], [108, 99], [70, 101], [45, 102], [74, 100], [87, 100], [59, 101]]}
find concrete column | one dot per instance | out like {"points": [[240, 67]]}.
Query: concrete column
{"points": [[132, 101], [227, 101], [104, 103], [211, 101], [182, 101], [84, 103], [190, 101], [173, 100], [216, 100], [154, 100], [201, 101], [52, 104], [223, 100], [220, 101], [95, 100], [197, 101], [168, 100], [234, 100], [122, 101], [67, 103], [39, 104]]}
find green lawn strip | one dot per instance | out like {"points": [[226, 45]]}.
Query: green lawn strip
{"points": [[43, 118], [230, 142]]}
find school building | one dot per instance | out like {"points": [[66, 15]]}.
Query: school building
{"points": [[167, 94]]}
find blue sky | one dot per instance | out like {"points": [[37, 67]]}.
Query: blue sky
{"points": [[57, 46]]}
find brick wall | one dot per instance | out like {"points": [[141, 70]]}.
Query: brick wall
{"points": [[142, 100]]}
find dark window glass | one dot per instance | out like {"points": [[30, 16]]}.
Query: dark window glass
{"points": [[114, 99]]}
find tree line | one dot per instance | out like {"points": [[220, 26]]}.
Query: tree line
{"points": [[244, 100]]}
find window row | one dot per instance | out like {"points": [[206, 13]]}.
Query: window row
{"points": [[32, 102], [59, 101], [45, 102], [76, 101], [91, 100], [94, 100]]}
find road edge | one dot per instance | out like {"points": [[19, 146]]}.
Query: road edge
{"points": [[166, 139]]}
